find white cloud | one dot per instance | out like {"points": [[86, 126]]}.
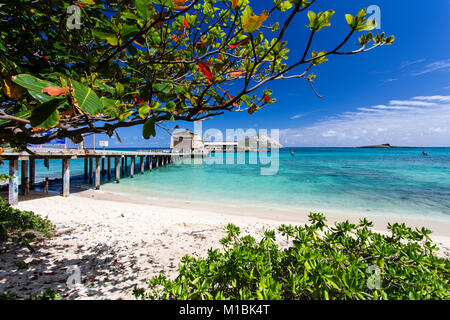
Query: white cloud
{"points": [[329, 133], [433, 98], [393, 107], [405, 64], [438, 130], [411, 103], [297, 116], [423, 125], [435, 66], [367, 109]]}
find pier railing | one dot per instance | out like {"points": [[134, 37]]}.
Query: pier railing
{"points": [[148, 159]]}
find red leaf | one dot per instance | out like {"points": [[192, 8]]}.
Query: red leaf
{"points": [[204, 68], [266, 98], [235, 4], [55, 91], [236, 74], [138, 44], [220, 57], [186, 23], [202, 41], [240, 43], [139, 100]]}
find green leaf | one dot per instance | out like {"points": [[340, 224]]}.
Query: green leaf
{"points": [[320, 60], [125, 115], [371, 24], [322, 19], [171, 105], [253, 22], [283, 5], [149, 129], [349, 19], [120, 89], [143, 111], [163, 87], [111, 38], [390, 40], [143, 8], [86, 99], [104, 86], [30, 82], [311, 17], [165, 3], [34, 86], [129, 28], [107, 102], [46, 115]]}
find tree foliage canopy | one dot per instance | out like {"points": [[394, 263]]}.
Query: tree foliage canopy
{"points": [[149, 61]]}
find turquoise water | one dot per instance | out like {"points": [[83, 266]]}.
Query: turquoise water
{"points": [[379, 181], [392, 181]]}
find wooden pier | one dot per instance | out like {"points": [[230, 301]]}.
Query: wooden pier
{"points": [[147, 159]]}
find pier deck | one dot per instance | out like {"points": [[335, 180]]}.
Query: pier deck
{"points": [[147, 159]]}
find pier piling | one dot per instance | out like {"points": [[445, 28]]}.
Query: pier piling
{"points": [[32, 172], [97, 173], [90, 171], [13, 189], [133, 159], [66, 177], [109, 168], [24, 177], [117, 169], [86, 168], [142, 165]]}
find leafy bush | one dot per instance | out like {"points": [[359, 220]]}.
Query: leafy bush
{"points": [[15, 221], [344, 261], [48, 294]]}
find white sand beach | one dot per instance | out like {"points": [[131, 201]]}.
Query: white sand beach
{"points": [[119, 243]]}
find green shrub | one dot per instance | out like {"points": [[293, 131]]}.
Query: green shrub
{"points": [[48, 294], [7, 296], [15, 221], [344, 261]]}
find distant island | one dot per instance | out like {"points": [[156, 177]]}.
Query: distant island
{"points": [[385, 145]]}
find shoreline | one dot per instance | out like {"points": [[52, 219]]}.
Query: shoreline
{"points": [[439, 225], [119, 243]]}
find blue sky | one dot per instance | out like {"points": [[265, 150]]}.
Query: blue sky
{"points": [[397, 94]]}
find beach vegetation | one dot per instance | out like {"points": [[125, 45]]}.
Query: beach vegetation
{"points": [[48, 294], [98, 66], [22, 226], [315, 261]]}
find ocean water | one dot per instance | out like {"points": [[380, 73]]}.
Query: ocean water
{"points": [[380, 181], [383, 181]]}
